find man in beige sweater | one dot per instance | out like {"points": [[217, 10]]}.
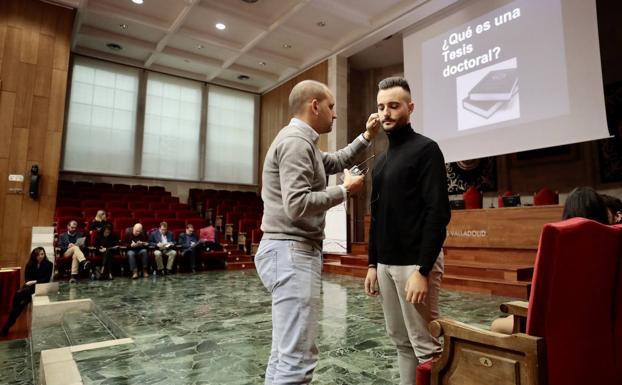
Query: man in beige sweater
{"points": [[296, 198]]}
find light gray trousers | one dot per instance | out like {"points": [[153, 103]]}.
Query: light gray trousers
{"points": [[407, 324], [291, 271]]}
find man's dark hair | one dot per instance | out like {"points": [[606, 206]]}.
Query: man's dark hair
{"points": [[586, 203], [394, 81]]}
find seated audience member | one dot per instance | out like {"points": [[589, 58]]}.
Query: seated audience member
{"points": [[164, 241], [99, 222], [207, 235], [136, 242], [189, 243], [585, 202], [70, 243], [614, 209], [39, 269], [106, 244], [582, 202]]}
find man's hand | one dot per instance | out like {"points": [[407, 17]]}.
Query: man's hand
{"points": [[102, 249], [373, 126], [353, 184], [416, 288], [371, 283]]}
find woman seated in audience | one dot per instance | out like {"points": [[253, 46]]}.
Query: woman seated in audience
{"points": [[38, 270], [99, 222], [614, 209], [107, 245], [583, 202]]}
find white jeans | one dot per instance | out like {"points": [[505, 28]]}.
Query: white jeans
{"points": [[291, 271], [407, 324]]}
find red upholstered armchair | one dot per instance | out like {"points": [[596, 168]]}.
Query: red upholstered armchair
{"points": [[473, 199], [573, 314], [545, 197]]}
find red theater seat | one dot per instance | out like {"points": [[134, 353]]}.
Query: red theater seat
{"points": [[143, 214], [573, 315], [473, 199], [138, 205], [545, 197]]}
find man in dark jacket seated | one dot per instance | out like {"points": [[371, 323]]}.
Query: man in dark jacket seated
{"points": [[136, 242], [189, 242], [163, 241], [70, 244]]}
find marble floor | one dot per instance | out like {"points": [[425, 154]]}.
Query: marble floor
{"points": [[215, 328]]}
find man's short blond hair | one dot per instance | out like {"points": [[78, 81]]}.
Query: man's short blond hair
{"points": [[304, 92]]}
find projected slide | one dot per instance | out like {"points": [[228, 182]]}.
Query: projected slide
{"points": [[492, 77], [485, 73]]}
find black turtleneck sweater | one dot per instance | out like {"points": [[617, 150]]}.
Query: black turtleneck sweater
{"points": [[409, 202]]}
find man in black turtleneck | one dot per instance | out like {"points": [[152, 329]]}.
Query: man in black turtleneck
{"points": [[410, 212]]}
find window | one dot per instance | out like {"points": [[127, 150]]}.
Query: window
{"points": [[102, 135], [172, 128], [101, 123], [231, 143]]}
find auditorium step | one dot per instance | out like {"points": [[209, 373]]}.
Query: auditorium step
{"points": [[239, 258], [240, 265], [338, 268], [359, 248], [489, 255], [492, 286], [506, 272]]}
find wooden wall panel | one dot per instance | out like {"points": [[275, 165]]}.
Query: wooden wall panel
{"points": [[35, 39], [275, 106]]}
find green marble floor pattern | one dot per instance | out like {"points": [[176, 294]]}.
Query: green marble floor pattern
{"points": [[215, 328]]}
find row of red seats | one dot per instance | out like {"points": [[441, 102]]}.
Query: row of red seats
{"points": [[67, 185], [90, 199], [473, 199], [90, 212]]}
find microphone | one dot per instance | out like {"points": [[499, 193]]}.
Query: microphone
{"points": [[357, 171]]}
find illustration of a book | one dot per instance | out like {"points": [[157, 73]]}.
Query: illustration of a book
{"points": [[498, 85], [485, 108]]}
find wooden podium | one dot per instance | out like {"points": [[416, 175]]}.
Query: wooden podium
{"points": [[493, 250]]}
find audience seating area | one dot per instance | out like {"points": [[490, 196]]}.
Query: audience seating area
{"points": [[236, 213]]}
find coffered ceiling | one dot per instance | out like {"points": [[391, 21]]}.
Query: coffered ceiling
{"points": [[263, 41]]}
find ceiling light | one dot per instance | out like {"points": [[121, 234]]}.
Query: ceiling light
{"points": [[262, 63], [200, 46], [114, 46], [288, 46], [220, 26], [321, 23], [137, 1], [123, 26], [243, 77]]}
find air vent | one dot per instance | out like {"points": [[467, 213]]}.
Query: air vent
{"points": [[250, 1], [243, 77]]}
